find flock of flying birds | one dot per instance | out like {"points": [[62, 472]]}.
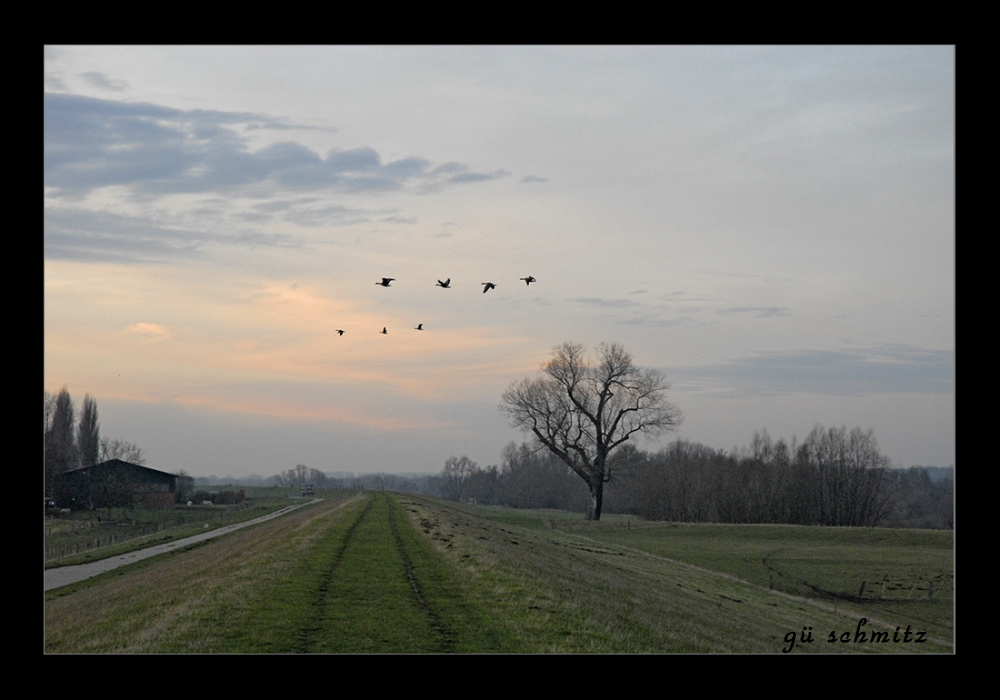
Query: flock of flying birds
{"points": [[487, 286]]}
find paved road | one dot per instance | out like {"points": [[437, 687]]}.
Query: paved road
{"points": [[65, 575]]}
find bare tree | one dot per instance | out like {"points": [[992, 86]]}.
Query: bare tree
{"points": [[455, 475], [533, 477], [850, 476], [120, 449], [581, 411]]}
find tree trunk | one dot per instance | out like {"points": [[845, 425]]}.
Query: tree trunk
{"points": [[596, 499]]}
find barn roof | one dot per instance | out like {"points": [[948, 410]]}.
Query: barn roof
{"points": [[119, 464]]}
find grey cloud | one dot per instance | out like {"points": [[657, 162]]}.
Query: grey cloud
{"points": [[332, 215], [280, 126], [92, 143], [478, 177], [407, 167], [532, 178], [657, 322], [100, 80], [613, 303], [446, 168], [758, 311], [357, 160], [304, 211], [633, 313], [456, 173], [54, 83], [75, 234], [876, 370]]}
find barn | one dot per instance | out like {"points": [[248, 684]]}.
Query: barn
{"points": [[117, 483]]}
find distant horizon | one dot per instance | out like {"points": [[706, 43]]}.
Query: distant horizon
{"points": [[413, 475]]}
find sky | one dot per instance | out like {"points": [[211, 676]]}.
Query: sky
{"points": [[771, 227]]}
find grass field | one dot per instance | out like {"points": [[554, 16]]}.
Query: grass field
{"points": [[81, 537], [351, 574], [907, 575], [376, 572]]}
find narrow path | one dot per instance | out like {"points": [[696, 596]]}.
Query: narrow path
{"points": [[65, 575], [366, 593], [445, 640], [310, 633]]}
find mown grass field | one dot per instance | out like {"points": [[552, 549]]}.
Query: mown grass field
{"points": [[383, 573]]}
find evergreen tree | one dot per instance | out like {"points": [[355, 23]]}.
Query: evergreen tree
{"points": [[88, 433], [60, 443]]}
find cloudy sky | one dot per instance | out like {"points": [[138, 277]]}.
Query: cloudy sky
{"points": [[772, 227]]}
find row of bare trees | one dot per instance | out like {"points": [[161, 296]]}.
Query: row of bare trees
{"points": [[526, 478], [300, 476], [835, 477]]}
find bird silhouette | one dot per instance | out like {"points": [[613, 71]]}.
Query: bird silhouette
{"points": [[339, 332], [385, 281], [528, 280], [444, 284], [487, 286], [420, 327], [384, 331]]}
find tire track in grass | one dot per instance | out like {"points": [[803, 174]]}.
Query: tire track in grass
{"points": [[446, 642], [307, 640]]}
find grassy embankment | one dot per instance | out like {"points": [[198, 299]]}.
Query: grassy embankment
{"points": [[348, 575], [906, 576], [569, 585], [360, 578]]}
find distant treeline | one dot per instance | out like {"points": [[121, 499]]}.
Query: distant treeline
{"points": [[835, 477], [428, 484]]}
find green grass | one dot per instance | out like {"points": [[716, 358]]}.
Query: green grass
{"points": [[377, 572], [908, 575], [341, 577], [620, 585], [198, 599]]}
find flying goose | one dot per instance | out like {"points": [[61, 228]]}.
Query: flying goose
{"points": [[339, 332], [487, 286], [528, 280], [384, 331], [385, 281], [443, 284], [420, 327]]}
